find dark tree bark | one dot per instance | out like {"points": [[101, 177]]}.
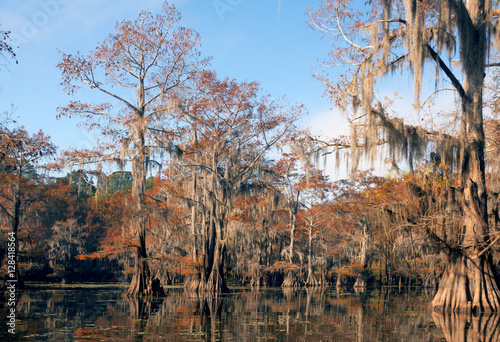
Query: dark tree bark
{"points": [[468, 283]]}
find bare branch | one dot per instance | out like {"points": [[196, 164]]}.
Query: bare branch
{"points": [[442, 65]]}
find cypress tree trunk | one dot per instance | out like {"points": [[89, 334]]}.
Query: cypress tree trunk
{"points": [[362, 279], [468, 284], [216, 281], [142, 285], [311, 279], [293, 210], [211, 281]]}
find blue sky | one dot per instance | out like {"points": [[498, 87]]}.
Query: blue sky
{"points": [[263, 40]]}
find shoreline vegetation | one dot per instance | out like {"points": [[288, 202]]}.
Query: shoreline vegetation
{"points": [[232, 288]]}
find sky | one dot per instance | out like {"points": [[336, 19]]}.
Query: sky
{"points": [[267, 41]]}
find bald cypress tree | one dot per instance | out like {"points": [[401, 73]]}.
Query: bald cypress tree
{"points": [[396, 35], [153, 56]]}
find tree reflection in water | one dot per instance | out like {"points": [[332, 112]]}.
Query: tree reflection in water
{"points": [[140, 311], [313, 314], [468, 328], [210, 311]]}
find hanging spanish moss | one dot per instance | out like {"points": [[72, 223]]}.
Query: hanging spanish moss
{"points": [[420, 32]]}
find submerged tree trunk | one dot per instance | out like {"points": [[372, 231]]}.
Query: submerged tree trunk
{"points": [[216, 282], [143, 284], [211, 281], [468, 285]]}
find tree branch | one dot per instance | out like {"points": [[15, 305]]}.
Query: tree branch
{"points": [[94, 85], [489, 246], [454, 81]]}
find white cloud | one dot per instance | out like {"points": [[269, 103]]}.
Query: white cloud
{"points": [[328, 124]]}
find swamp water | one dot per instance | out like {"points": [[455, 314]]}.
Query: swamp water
{"points": [[84, 314]]}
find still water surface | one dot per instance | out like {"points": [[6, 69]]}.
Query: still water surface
{"points": [[244, 315]]}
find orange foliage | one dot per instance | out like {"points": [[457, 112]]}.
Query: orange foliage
{"points": [[128, 271], [285, 266]]}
